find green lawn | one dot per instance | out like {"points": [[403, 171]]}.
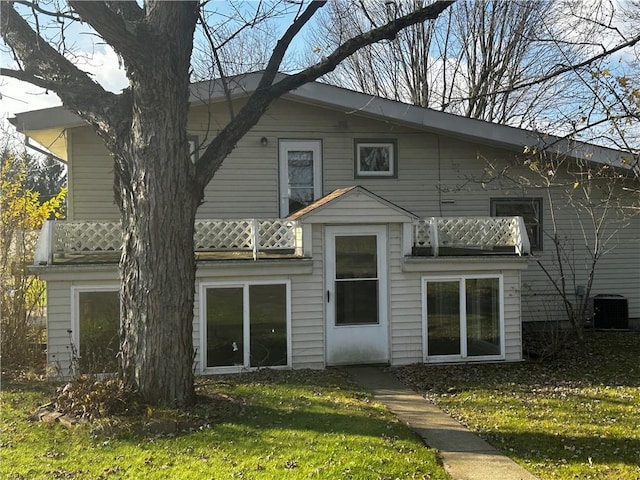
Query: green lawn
{"points": [[577, 417], [279, 425]]}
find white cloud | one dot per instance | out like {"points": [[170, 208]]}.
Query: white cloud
{"points": [[104, 68], [17, 97]]}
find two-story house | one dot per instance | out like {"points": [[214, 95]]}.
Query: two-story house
{"points": [[343, 229]]}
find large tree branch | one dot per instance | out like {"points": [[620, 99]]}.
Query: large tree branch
{"points": [[283, 44], [388, 31], [44, 66], [267, 92], [58, 14], [116, 26]]}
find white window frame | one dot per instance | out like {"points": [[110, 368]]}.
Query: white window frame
{"points": [[244, 284], [284, 145], [463, 357], [390, 145], [75, 308]]}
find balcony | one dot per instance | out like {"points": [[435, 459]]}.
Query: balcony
{"points": [[101, 242], [64, 242], [470, 236]]}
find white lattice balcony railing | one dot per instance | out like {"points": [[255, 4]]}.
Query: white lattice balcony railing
{"points": [[483, 233], [60, 239]]}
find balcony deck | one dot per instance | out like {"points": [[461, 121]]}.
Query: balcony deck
{"points": [[84, 242]]}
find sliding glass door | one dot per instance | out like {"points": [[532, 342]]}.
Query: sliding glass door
{"points": [[245, 325], [463, 318]]}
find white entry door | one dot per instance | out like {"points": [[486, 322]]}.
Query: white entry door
{"points": [[356, 295]]}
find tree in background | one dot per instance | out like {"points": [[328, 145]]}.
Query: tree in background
{"points": [[566, 68], [519, 63], [22, 213], [158, 187]]}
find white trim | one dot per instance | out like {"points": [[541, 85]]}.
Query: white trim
{"points": [[244, 284], [316, 93], [461, 279], [383, 325], [284, 145], [390, 147]]}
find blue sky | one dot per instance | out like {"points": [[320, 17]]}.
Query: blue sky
{"points": [[98, 59]]}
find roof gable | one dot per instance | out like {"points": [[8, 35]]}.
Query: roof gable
{"points": [[351, 205]]}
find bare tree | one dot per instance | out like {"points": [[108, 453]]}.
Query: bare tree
{"points": [[510, 62], [157, 187]]}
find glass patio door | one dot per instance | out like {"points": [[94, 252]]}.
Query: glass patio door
{"points": [[464, 318], [245, 325]]}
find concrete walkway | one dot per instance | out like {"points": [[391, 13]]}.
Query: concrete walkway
{"points": [[464, 455]]}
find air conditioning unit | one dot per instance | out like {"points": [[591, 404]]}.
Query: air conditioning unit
{"points": [[610, 312]]}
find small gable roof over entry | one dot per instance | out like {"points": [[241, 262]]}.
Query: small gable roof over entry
{"points": [[353, 205]]}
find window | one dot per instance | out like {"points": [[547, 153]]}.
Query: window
{"points": [[463, 318], [96, 329], [300, 174], [530, 209], [245, 325], [356, 283], [375, 158]]}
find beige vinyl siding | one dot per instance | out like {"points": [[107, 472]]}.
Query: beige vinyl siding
{"points": [[59, 311], [90, 177], [618, 270], [407, 302], [197, 330], [247, 182], [307, 311], [437, 176], [512, 322], [58, 324], [406, 306], [356, 207]]}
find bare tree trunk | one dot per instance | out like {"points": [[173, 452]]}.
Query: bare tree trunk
{"points": [[158, 188], [157, 268], [156, 193]]}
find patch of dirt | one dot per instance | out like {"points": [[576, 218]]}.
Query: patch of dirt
{"points": [[111, 410]]}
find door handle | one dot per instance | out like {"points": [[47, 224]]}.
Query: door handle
{"points": [[328, 296]]}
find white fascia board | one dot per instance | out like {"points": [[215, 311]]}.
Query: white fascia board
{"points": [[45, 119], [350, 101], [471, 129]]}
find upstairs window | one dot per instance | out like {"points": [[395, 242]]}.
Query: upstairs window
{"points": [[300, 174], [530, 209]]}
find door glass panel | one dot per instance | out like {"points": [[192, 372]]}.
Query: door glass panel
{"points": [[356, 257], [268, 327], [225, 327], [443, 318], [356, 302], [301, 182], [356, 285], [483, 316], [99, 322]]}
